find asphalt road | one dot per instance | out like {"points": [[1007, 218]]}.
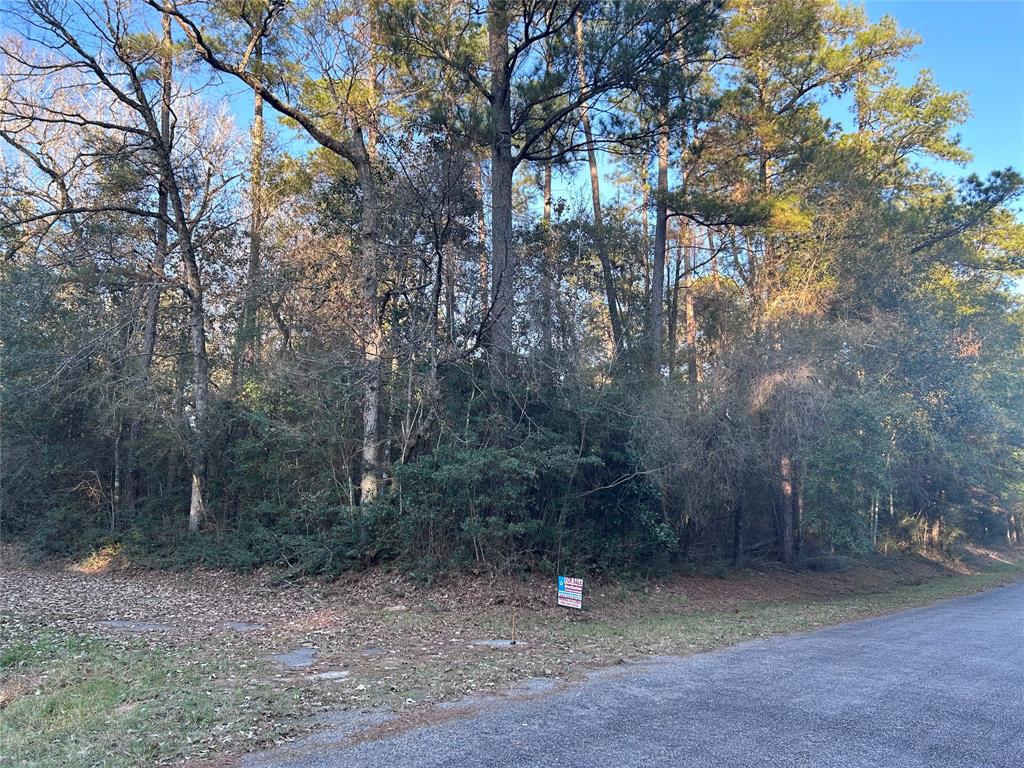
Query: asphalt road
{"points": [[935, 687]]}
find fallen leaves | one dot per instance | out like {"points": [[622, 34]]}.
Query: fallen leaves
{"points": [[377, 642]]}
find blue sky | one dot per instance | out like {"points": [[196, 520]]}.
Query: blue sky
{"points": [[975, 46]]}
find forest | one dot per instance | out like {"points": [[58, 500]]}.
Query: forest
{"points": [[615, 285]]}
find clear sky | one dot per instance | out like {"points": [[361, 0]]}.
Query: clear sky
{"points": [[975, 46], [970, 45]]}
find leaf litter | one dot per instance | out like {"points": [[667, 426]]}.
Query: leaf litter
{"points": [[272, 656]]}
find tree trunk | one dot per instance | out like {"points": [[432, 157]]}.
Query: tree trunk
{"points": [[645, 227], [607, 273], [160, 258], [196, 510], [545, 318], [246, 349], [656, 323], [798, 514], [692, 372], [157, 270], [369, 484], [874, 521], [364, 152], [737, 534], [193, 288], [483, 267], [115, 498], [675, 279], [503, 259], [787, 512], [935, 534], [200, 374], [177, 404], [762, 278], [448, 254]]}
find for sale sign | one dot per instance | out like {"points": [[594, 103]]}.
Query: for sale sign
{"points": [[570, 592]]}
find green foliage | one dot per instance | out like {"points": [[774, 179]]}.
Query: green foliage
{"points": [[535, 503], [840, 366], [847, 469]]}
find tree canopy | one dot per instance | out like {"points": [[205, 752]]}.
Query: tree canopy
{"points": [[497, 285]]}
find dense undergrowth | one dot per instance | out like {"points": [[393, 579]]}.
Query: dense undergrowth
{"points": [[774, 334]]}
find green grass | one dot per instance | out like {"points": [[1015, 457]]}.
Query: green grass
{"points": [[696, 630], [41, 648], [80, 701]]}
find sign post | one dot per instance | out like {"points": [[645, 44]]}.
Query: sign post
{"points": [[570, 592]]}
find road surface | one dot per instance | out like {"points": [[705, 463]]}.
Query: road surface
{"points": [[935, 687]]}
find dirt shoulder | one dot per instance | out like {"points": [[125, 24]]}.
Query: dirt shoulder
{"points": [[210, 664]]}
